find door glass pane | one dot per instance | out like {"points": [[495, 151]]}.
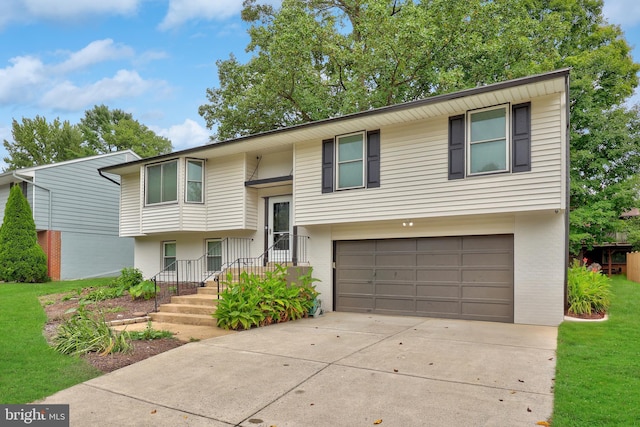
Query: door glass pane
{"points": [[154, 184], [350, 175], [170, 182], [488, 156], [214, 255], [280, 223], [488, 125]]}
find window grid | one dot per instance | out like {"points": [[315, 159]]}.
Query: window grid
{"points": [[350, 170], [489, 142], [162, 183], [194, 181]]}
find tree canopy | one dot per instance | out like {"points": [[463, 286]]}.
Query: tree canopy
{"points": [[314, 59], [101, 130]]}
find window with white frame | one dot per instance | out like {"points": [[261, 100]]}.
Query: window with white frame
{"points": [[214, 255], [162, 183], [350, 157], [488, 147], [194, 181], [169, 256]]}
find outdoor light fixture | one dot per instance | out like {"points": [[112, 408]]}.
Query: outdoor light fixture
{"points": [[407, 223]]}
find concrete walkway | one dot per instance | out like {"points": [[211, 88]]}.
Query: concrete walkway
{"points": [[337, 370]]}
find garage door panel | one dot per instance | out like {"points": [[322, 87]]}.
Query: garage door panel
{"points": [[434, 259], [357, 260], [383, 274], [395, 304], [395, 289], [487, 259], [444, 290], [484, 243], [396, 245], [487, 292], [437, 307], [438, 275], [439, 244], [395, 260], [478, 310], [465, 277]]}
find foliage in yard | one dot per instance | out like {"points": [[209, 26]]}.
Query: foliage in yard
{"points": [[82, 333], [131, 280], [149, 334], [589, 291], [257, 301], [21, 258], [597, 381]]}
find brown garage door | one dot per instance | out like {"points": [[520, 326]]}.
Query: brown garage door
{"points": [[465, 277]]}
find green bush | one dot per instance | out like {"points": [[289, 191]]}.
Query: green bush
{"points": [[149, 334], [255, 301], [145, 289], [589, 291], [21, 258], [129, 277], [82, 333]]}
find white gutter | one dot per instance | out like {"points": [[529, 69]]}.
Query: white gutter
{"points": [[19, 178]]}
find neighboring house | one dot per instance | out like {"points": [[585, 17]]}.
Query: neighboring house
{"points": [[76, 215], [612, 256], [452, 206]]}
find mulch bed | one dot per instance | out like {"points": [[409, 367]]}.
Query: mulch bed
{"points": [[592, 316], [57, 309]]}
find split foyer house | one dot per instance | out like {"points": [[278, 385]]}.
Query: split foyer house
{"points": [[451, 206], [76, 215]]}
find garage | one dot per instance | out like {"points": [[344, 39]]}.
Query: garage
{"points": [[462, 277]]}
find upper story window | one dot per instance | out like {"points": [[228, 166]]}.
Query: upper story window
{"points": [[162, 183], [488, 148], [495, 139], [350, 161], [194, 181]]}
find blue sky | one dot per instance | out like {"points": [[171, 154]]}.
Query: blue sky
{"points": [[152, 58]]}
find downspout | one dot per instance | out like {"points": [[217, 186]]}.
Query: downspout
{"points": [[568, 183], [37, 186]]}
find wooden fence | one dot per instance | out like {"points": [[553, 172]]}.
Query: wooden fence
{"points": [[633, 266]]}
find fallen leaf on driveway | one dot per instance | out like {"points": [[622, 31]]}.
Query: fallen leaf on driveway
{"points": [[520, 381], [395, 370], [378, 421], [543, 423], [528, 409], [154, 411]]}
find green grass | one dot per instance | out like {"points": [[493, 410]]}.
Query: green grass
{"points": [[598, 365], [29, 368]]}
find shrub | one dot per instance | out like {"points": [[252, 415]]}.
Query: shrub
{"points": [[82, 334], [145, 289], [255, 301], [21, 258], [589, 290], [129, 277], [149, 334]]}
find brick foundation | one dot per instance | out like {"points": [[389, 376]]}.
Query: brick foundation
{"points": [[51, 243]]}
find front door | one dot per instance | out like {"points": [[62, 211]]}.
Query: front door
{"points": [[280, 229]]}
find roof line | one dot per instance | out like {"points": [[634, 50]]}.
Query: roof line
{"points": [[563, 72]]}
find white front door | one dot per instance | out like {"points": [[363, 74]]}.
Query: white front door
{"points": [[280, 229]]}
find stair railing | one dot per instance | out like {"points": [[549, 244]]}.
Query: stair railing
{"points": [[184, 277], [286, 250]]}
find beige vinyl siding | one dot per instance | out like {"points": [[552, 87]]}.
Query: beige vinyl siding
{"points": [[161, 218], [251, 198], [414, 176], [226, 192], [130, 203], [193, 217]]}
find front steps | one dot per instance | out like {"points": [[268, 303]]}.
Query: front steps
{"points": [[189, 309]]}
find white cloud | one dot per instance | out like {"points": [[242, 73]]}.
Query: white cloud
{"points": [[69, 97], [622, 12], [95, 52], [185, 135], [18, 80], [181, 11], [61, 9]]}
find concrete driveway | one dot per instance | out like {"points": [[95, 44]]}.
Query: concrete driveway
{"points": [[337, 370]]}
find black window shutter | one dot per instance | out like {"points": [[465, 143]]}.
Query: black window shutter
{"points": [[456, 147], [521, 137], [327, 166], [373, 159]]}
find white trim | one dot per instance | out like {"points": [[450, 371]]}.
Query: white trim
{"points": [[507, 138], [362, 159]]}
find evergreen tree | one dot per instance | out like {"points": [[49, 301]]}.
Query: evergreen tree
{"points": [[21, 258]]}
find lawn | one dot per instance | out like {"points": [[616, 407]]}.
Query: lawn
{"points": [[598, 365], [30, 368]]}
